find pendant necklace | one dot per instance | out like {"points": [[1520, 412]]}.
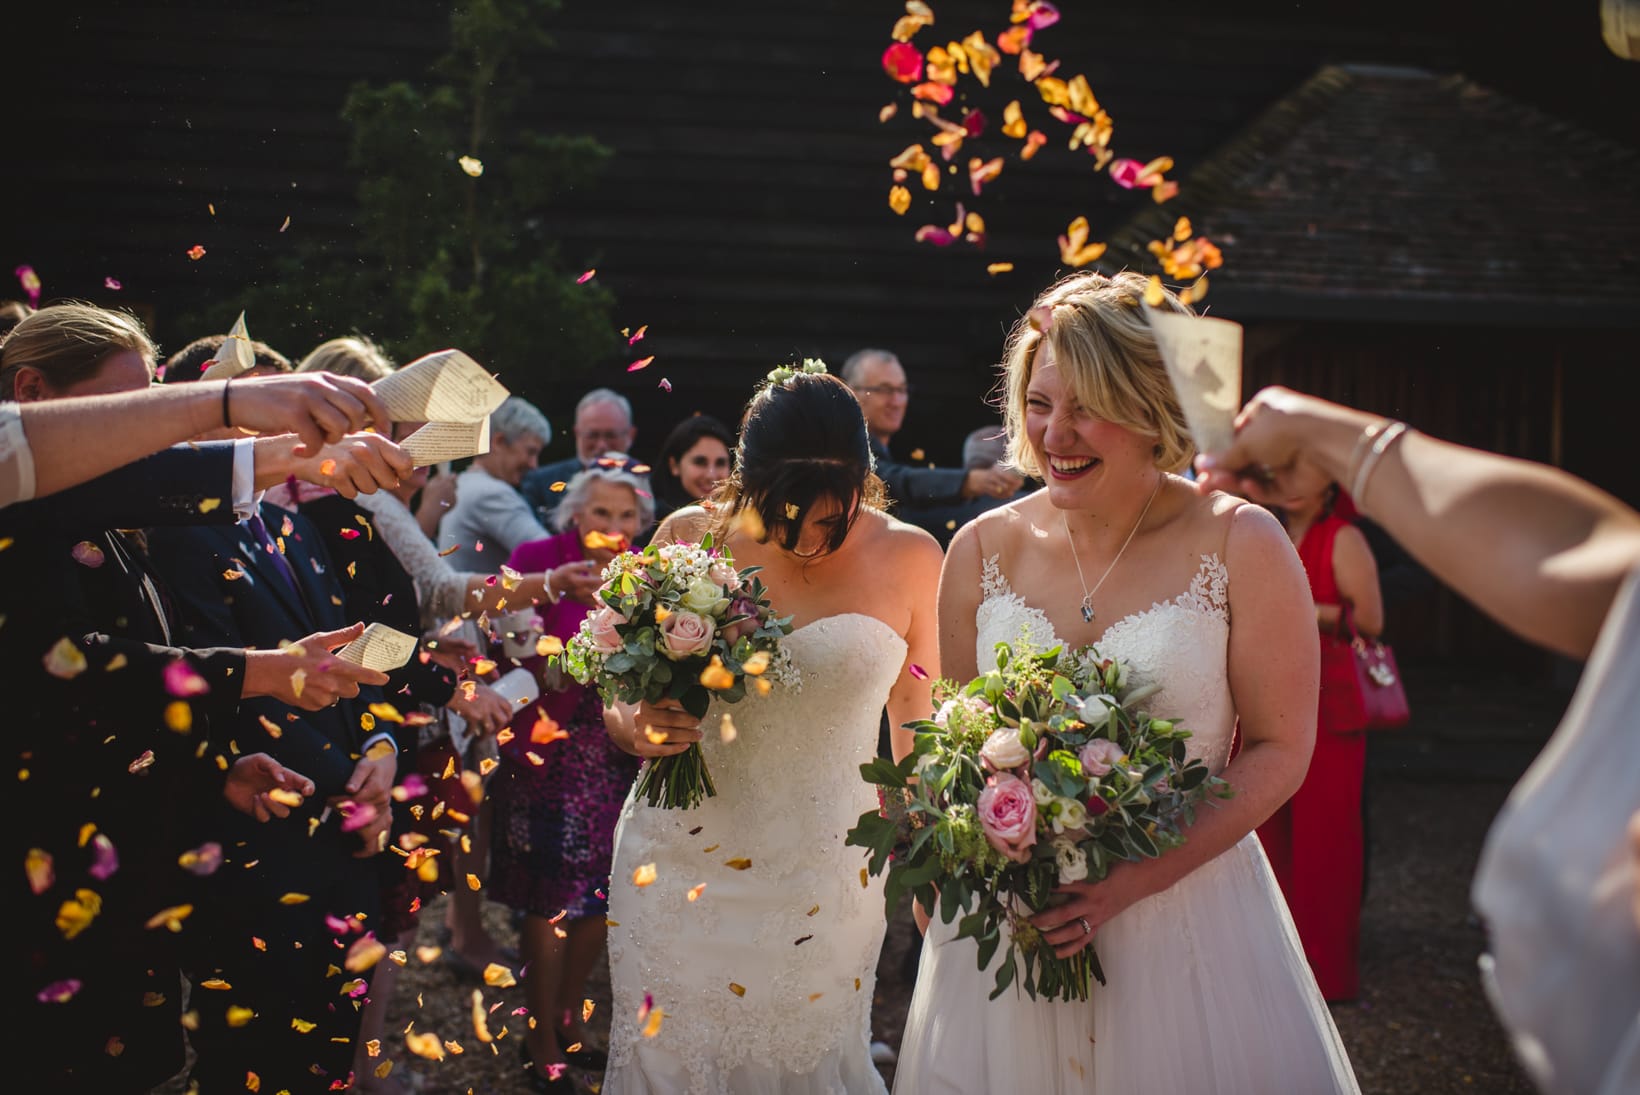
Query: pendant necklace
{"points": [[1087, 594]]}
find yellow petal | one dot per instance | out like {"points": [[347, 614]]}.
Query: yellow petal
{"points": [[738, 864], [472, 165], [899, 199], [644, 875], [738, 990], [696, 891]]}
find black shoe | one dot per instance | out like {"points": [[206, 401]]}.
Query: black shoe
{"points": [[540, 1081], [590, 1058]]}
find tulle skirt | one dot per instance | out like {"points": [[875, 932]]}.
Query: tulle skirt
{"points": [[1207, 992]]}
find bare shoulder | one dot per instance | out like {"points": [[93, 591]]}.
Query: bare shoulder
{"points": [[1256, 546], [994, 530], [904, 543]]}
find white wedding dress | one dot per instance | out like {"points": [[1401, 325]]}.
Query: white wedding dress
{"points": [[765, 979], [1207, 987]]}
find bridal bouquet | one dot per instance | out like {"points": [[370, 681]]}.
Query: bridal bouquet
{"points": [[1043, 771], [678, 622]]}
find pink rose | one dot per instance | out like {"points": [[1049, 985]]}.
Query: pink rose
{"points": [[723, 573], [1007, 813], [1099, 756], [601, 630], [685, 634], [742, 607]]}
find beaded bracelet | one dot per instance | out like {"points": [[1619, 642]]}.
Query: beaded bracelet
{"points": [[1384, 434]]}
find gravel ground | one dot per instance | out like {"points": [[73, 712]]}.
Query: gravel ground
{"points": [[1422, 1024]]}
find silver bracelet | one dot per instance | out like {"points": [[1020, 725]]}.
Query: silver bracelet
{"points": [[1386, 436]]}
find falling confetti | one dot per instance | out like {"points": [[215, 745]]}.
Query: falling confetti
{"points": [[638, 335], [196, 252], [30, 282], [665, 385], [586, 277], [644, 875], [472, 165], [112, 283], [996, 268], [87, 554], [641, 363], [286, 225]]}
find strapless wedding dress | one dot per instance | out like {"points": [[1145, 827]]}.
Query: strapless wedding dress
{"points": [[1207, 987], [764, 979]]}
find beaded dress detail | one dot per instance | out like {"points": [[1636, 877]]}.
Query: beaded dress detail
{"points": [[765, 978]]}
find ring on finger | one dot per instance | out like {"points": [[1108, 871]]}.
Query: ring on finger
{"points": [[1087, 929]]}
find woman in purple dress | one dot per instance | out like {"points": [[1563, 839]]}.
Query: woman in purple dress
{"points": [[556, 798]]}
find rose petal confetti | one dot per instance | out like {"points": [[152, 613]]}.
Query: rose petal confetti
{"points": [[112, 283], [641, 363], [638, 335], [586, 277], [918, 672], [64, 660], [196, 252], [472, 165], [87, 554], [30, 281], [999, 268], [695, 892], [644, 875], [737, 864]]}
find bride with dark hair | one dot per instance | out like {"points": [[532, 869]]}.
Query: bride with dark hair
{"points": [[747, 965]]}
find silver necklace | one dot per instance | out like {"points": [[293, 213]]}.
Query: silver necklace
{"points": [[1087, 594]]}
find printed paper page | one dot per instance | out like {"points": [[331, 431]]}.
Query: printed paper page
{"points": [[234, 356], [1203, 356], [380, 648], [439, 442], [447, 386]]}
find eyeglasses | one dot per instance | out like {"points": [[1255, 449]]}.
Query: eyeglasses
{"points": [[601, 435], [890, 390]]}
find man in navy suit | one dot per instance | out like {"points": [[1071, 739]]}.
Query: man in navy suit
{"points": [[289, 900]]}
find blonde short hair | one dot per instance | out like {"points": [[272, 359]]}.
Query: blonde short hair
{"points": [[354, 356], [69, 342], [1104, 347]]}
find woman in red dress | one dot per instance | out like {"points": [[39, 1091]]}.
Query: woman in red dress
{"points": [[1315, 841]]}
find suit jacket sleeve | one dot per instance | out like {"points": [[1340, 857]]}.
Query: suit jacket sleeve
{"points": [[913, 486], [182, 485]]}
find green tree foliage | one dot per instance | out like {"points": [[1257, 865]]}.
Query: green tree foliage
{"points": [[443, 258]]}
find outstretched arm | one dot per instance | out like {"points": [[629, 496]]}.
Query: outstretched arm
{"points": [[318, 407], [1557, 548]]}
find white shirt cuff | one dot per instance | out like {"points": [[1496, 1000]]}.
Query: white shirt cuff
{"points": [[245, 495], [17, 483]]}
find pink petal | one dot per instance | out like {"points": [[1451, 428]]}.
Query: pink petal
{"points": [[87, 554], [665, 385], [181, 680], [1125, 173], [933, 233], [105, 860], [919, 672], [112, 283], [59, 992], [1043, 14], [586, 277], [641, 363]]}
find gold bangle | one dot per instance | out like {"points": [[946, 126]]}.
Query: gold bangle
{"points": [[1386, 437]]}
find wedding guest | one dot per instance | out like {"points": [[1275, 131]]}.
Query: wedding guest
{"points": [[603, 423], [12, 312], [984, 447], [102, 986], [189, 363], [879, 381], [490, 517], [555, 802], [1316, 841], [1555, 886], [693, 460]]}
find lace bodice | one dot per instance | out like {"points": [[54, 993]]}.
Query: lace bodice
{"points": [[1181, 645], [798, 928]]}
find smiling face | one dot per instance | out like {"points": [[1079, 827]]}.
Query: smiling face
{"points": [[601, 428], [610, 508], [1081, 455], [509, 459], [702, 466], [883, 397]]}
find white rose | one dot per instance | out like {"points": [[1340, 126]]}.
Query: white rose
{"points": [[1003, 749], [1073, 865], [1072, 816], [1096, 708], [705, 597], [1040, 790], [942, 717]]}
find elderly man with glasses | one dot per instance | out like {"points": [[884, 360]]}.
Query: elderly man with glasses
{"points": [[878, 379], [603, 424]]}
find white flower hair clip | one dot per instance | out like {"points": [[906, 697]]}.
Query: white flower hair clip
{"points": [[782, 373]]}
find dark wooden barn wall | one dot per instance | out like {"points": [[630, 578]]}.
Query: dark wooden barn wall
{"points": [[743, 218]]}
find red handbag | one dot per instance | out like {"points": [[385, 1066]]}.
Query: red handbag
{"points": [[1378, 678]]}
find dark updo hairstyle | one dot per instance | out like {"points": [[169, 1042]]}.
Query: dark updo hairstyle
{"points": [[802, 440]]}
